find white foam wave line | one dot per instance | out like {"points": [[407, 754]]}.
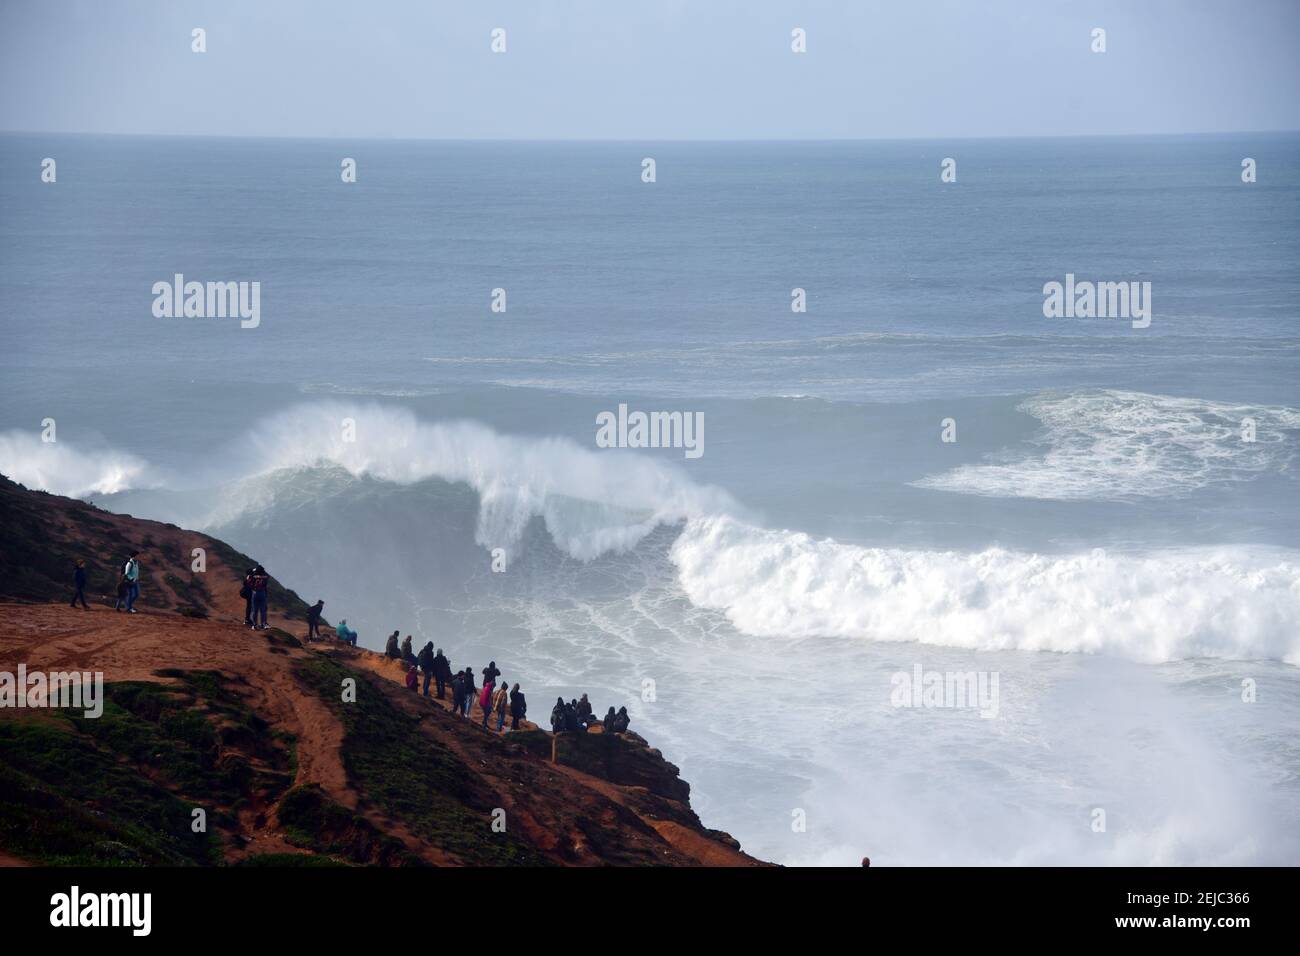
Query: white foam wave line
{"points": [[1231, 603]]}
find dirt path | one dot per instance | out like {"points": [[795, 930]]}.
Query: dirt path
{"points": [[50, 637]]}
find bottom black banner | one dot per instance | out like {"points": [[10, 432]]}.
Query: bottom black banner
{"points": [[332, 904]]}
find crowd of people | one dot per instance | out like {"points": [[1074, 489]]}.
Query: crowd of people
{"points": [[578, 716], [497, 700], [495, 697], [127, 588]]}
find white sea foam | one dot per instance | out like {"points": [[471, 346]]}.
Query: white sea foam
{"points": [[1116, 444], [61, 469], [1155, 606]]}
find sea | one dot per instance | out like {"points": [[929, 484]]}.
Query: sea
{"points": [[909, 480]]}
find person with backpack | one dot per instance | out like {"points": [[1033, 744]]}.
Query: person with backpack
{"points": [[441, 672], [261, 582], [518, 707], [131, 572], [425, 660], [79, 584], [458, 693], [313, 621], [246, 592], [391, 649], [501, 703]]}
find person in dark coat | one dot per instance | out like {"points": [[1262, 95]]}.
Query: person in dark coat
{"points": [[518, 707], [246, 592], [441, 672], [79, 584], [621, 721], [391, 649], [610, 720], [557, 716], [313, 620], [425, 660], [470, 690], [458, 693]]}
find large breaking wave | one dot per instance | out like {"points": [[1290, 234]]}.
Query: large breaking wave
{"points": [[1155, 605]]}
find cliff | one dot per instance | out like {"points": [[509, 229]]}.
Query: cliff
{"points": [[253, 728]]}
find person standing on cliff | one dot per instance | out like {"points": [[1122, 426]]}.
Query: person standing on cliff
{"points": [[470, 690], [501, 703], [557, 716], [518, 707], [485, 703], [425, 660], [261, 581], [441, 672], [458, 693], [313, 621], [79, 584], [131, 572], [246, 592]]}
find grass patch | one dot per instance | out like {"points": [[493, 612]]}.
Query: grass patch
{"points": [[313, 821], [65, 802], [410, 777], [120, 789]]}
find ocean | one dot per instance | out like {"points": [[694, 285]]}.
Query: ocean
{"points": [[1110, 529]]}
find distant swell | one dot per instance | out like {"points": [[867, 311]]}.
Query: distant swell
{"points": [[1157, 606], [1115, 445]]}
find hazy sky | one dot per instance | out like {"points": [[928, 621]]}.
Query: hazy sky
{"points": [[657, 69]]}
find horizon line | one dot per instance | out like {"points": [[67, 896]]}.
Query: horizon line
{"points": [[588, 139]]}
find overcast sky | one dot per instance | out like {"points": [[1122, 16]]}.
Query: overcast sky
{"points": [[655, 69]]}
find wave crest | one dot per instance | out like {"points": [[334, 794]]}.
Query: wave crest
{"points": [[593, 502], [1161, 606], [62, 470]]}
